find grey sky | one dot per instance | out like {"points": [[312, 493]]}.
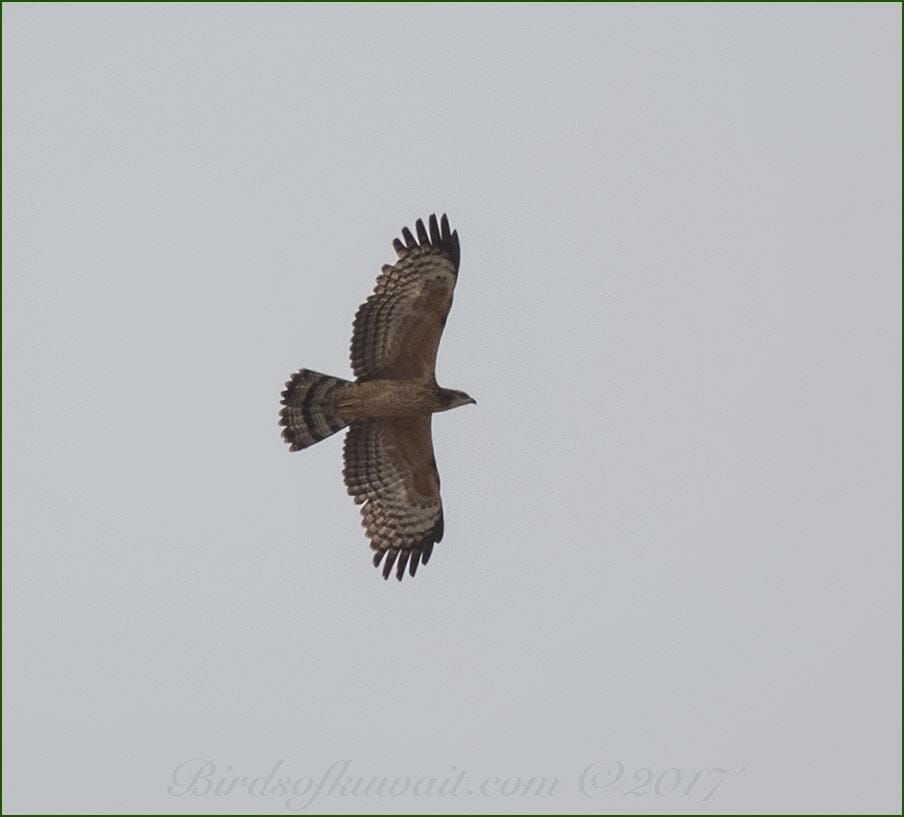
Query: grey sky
{"points": [[673, 519]]}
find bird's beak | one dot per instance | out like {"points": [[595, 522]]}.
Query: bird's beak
{"points": [[472, 400]]}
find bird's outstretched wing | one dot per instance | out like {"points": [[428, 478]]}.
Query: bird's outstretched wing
{"points": [[397, 329], [389, 466]]}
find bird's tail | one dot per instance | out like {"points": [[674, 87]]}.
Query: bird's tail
{"points": [[310, 408]]}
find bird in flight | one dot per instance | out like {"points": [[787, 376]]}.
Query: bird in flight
{"points": [[389, 465]]}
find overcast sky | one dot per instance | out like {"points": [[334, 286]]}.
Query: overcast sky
{"points": [[673, 518]]}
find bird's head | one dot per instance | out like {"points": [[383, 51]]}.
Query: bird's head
{"points": [[450, 398]]}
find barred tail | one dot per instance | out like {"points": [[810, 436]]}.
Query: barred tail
{"points": [[310, 412]]}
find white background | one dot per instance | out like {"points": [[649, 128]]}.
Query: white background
{"points": [[672, 521]]}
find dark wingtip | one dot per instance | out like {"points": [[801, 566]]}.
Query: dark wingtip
{"points": [[409, 556], [391, 556], [439, 235], [402, 564]]}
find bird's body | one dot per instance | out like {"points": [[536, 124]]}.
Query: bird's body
{"points": [[390, 398], [389, 462]]}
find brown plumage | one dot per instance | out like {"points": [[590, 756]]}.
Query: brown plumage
{"points": [[389, 463]]}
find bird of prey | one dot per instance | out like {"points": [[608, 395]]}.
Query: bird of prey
{"points": [[389, 465]]}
